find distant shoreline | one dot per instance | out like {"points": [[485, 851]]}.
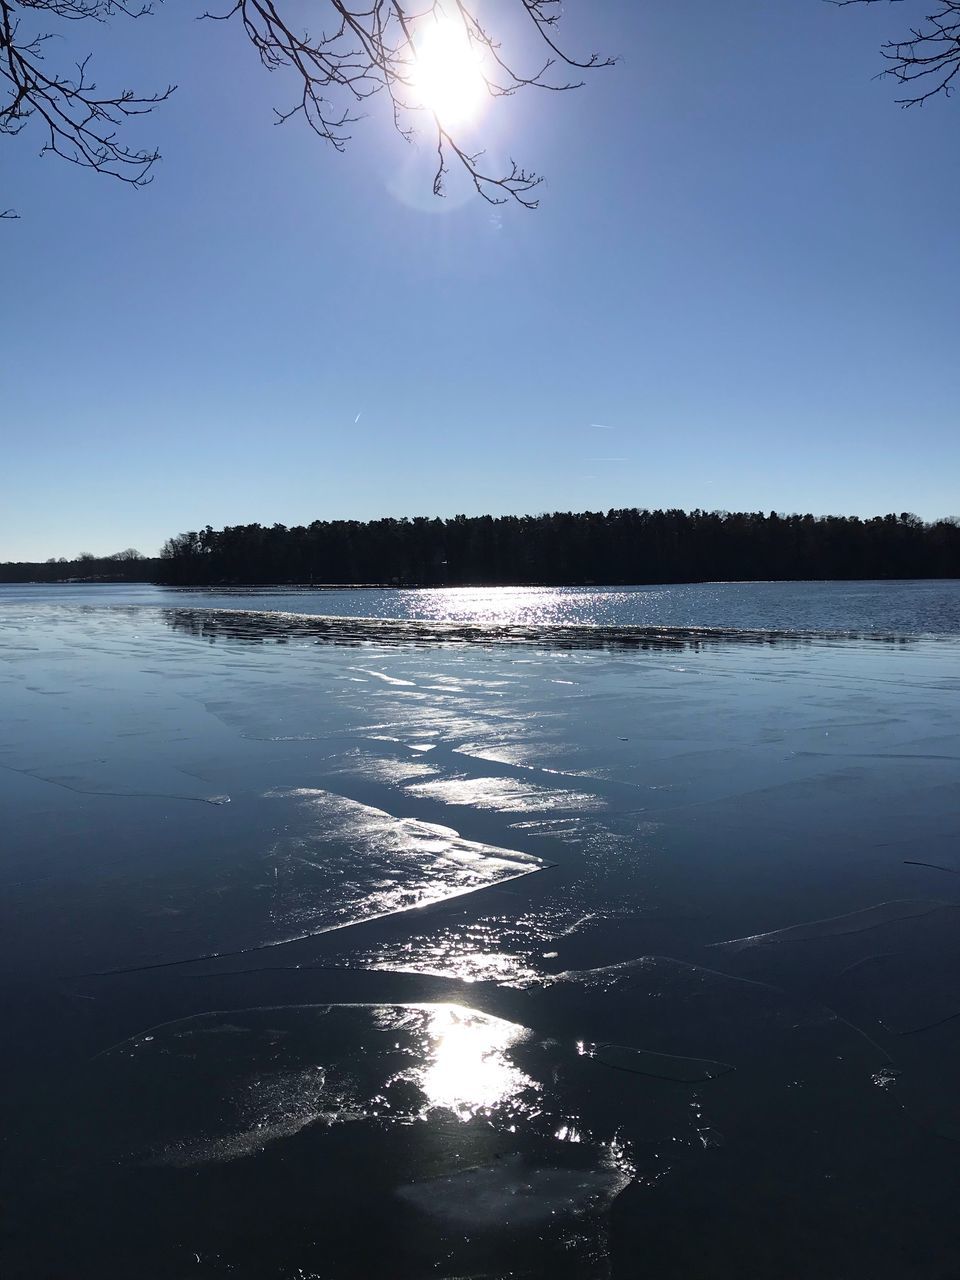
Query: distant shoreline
{"points": [[626, 546], [240, 585]]}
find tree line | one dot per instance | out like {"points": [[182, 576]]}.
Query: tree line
{"points": [[123, 566], [617, 547], [620, 546]]}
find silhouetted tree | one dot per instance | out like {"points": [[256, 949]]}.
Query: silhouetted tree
{"points": [[369, 48], [622, 546], [617, 547], [84, 568], [926, 61]]}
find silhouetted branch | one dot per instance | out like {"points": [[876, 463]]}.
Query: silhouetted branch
{"points": [[927, 61], [372, 47], [80, 122]]}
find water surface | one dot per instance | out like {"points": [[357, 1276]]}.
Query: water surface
{"points": [[329, 954], [896, 607]]}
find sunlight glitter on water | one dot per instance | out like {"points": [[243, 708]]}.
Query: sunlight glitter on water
{"points": [[526, 606]]}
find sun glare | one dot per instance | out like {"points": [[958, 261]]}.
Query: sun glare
{"points": [[446, 75], [468, 1069]]}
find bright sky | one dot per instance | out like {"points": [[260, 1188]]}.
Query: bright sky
{"points": [[739, 292]]}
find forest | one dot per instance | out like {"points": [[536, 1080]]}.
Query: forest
{"points": [[618, 547], [124, 566]]}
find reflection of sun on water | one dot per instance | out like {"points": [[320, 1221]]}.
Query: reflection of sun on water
{"points": [[468, 1070], [511, 606], [446, 75]]}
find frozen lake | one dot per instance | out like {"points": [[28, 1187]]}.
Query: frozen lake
{"points": [[343, 952], [893, 608]]}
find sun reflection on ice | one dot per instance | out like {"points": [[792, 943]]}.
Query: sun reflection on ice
{"points": [[468, 1070], [514, 606]]}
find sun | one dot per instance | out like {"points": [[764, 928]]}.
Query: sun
{"points": [[446, 75]]}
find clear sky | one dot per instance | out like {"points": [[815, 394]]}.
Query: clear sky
{"points": [[739, 291]]}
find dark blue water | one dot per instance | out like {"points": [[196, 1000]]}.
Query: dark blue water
{"points": [[324, 954], [904, 608]]}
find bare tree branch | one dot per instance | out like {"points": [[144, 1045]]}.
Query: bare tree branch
{"points": [[927, 61], [370, 47], [80, 122]]}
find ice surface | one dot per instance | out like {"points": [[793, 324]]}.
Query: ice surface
{"points": [[409, 1019], [350, 862], [662, 1066], [684, 1021], [367, 1113], [514, 1195], [897, 982], [854, 922], [504, 795]]}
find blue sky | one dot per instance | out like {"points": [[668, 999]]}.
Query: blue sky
{"points": [[739, 291]]}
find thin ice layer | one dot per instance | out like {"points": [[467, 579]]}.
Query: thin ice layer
{"points": [[504, 795], [514, 1195], [833, 926], [350, 862], [661, 1066], [436, 1128]]}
